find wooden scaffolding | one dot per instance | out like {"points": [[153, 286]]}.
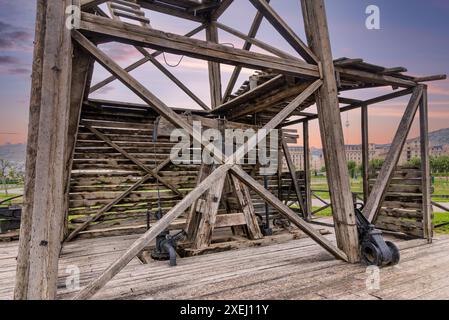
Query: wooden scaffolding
{"points": [[65, 122]]}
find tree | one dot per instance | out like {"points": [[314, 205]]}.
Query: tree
{"points": [[352, 168], [376, 164], [414, 162], [5, 167]]}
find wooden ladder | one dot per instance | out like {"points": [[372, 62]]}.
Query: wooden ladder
{"points": [[128, 9]]}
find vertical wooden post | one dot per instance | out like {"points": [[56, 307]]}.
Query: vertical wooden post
{"points": [[307, 173], [214, 69], [331, 130], [43, 216], [365, 152], [425, 167]]}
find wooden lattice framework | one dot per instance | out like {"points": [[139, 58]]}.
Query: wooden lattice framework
{"points": [[63, 64]]}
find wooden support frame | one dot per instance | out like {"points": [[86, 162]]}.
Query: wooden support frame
{"points": [[140, 36], [214, 68], [45, 195], [425, 166], [257, 21], [217, 174], [140, 62], [379, 189], [282, 27], [331, 129], [292, 170], [307, 171], [365, 151]]}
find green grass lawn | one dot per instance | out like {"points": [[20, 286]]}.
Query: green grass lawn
{"points": [[440, 185]]}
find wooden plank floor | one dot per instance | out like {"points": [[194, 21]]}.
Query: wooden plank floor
{"points": [[298, 269]]}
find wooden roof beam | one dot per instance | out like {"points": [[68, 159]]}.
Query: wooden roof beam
{"points": [[136, 35]]}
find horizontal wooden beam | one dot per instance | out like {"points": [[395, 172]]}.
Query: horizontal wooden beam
{"points": [[385, 80], [140, 62], [136, 35], [357, 105]]}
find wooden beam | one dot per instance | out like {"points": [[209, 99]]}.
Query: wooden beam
{"points": [[425, 167], [22, 269], [206, 225], [178, 82], [136, 87], [140, 62], [214, 68], [170, 10], [218, 12], [365, 151], [292, 170], [370, 77], [331, 130], [136, 35], [251, 94], [253, 41], [307, 170], [246, 46], [90, 4], [357, 105], [273, 123], [284, 29], [43, 213], [379, 189], [246, 203], [146, 238], [287, 212]]}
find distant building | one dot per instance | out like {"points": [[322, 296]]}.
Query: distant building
{"points": [[354, 153], [297, 155]]}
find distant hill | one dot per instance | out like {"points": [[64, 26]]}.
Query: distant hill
{"points": [[440, 137], [15, 153]]}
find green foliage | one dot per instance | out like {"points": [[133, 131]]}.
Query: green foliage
{"points": [[376, 164], [414, 162], [439, 165], [352, 168]]}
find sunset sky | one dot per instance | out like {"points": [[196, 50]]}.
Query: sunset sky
{"points": [[414, 34]]}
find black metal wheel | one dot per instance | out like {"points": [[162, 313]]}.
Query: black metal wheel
{"points": [[371, 255], [396, 256]]}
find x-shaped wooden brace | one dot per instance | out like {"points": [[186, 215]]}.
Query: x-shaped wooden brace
{"points": [[228, 165]]}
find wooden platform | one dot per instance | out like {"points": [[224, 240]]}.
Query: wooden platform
{"points": [[298, 269]]}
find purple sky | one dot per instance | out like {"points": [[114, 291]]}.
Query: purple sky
{"points": [[414, 34]]}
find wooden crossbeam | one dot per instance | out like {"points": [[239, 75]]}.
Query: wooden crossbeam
{"points": [[136, 87], [146, 238], [284, 29], [140, 62], [383, 180], [292, 170], [137, 35], [218, 12], [178, 82], [246, 46], [287, 212], [254, 41], [106, 208], [184, 204]]}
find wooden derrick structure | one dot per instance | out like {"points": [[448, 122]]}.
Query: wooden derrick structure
{"points": [[93, 162]]}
